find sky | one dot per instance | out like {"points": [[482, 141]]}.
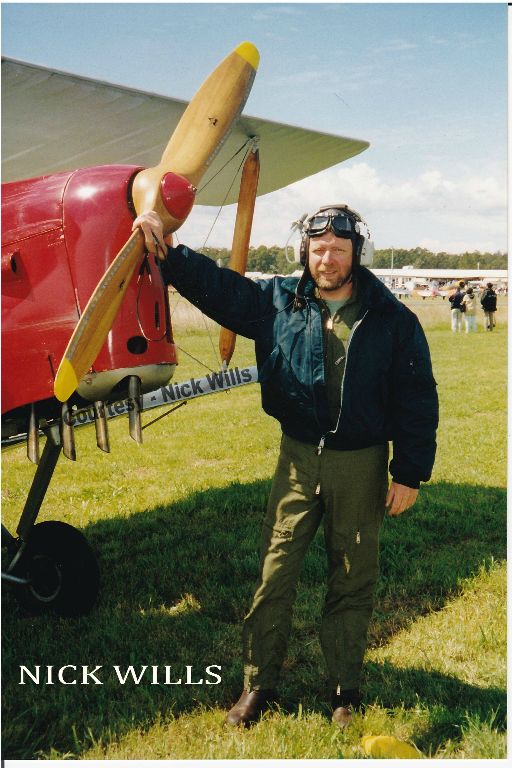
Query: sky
{"points": [[425, 84]]}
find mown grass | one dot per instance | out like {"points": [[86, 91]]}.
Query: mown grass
{"points": [[176, 527]]}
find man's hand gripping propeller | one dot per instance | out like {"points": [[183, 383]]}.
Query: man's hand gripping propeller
{"points": [[153, 230], [168, 189]]}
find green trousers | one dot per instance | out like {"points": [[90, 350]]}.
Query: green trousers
{"points": [[347, 490]]}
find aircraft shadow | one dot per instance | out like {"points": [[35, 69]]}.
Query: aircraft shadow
{"points": [[448, 700], [176, 583]]}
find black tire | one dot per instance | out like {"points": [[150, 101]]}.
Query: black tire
{"points": [[62, 569]]}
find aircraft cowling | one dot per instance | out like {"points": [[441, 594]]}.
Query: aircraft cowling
{"points": [[59, 234]]}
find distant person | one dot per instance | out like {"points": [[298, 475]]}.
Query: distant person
{"points": [[469, 311], [456, 307], [489, 302], [338, 411]]}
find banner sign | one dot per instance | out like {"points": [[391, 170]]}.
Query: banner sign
{"points": [[220, 381]]}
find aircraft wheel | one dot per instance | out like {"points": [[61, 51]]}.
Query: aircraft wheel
{"points": [[62, 569]]}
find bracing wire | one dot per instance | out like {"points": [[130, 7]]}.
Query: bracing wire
{"points": [[240, 149], [196, 359], [250, 140], [215, 351], [229, 190]]}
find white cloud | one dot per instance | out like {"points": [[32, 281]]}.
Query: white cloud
{"points": [[456, 246], [453, 214]]}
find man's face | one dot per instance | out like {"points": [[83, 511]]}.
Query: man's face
{"points": [[330, 260]]}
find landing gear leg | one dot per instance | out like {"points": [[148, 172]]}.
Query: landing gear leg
{"points": [[41, 481], [52, 567]]}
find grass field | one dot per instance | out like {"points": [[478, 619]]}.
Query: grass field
{"points": [[175, 524]]}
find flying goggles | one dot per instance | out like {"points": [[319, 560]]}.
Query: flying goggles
{"points": [[338, 222], [343, 222]]}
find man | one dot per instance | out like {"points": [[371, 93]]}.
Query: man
{"points": [[344, 367], [489, 301], [457, 307]]}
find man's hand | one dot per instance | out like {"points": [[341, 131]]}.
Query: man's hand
{"points": [[400, 498], [152, 229]]}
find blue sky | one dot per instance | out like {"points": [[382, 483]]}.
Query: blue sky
{"points": [[424, 83]]}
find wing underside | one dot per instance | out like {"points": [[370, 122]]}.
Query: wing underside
{"points": [[55, 121]]}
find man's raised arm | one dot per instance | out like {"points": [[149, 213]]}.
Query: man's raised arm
{"points": [[232, 300]]}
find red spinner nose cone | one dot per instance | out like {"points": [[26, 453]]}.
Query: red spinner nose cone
{"points": [[178, 195]]}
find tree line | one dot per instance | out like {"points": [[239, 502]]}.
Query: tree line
{"points": [[421, 258], [272, 260], [269, 260]]}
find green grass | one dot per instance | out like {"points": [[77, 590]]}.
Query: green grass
{"points": [[176, 523]]}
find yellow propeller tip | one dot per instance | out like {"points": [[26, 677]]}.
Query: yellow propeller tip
{"points": [[250, 53], [66, 381]]}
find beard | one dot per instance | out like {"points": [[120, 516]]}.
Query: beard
{"points": [[331, 283]]}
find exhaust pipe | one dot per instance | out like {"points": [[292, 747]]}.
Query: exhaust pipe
{"points": [[100, 423], [33, 436], [67, 432], [135, 407]]}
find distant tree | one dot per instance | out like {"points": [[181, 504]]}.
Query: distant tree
{"points": [[272, 259], [285, 267], [421, 258], [217, 254], [260, 259]]}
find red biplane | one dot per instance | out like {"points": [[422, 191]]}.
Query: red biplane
{"points": [[86, 320]]}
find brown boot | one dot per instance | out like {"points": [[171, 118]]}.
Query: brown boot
{"points": [[344, 704], [250, 706]]}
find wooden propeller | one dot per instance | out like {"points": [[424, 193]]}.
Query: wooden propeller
{"points": [[241, 236], [169, 189]]}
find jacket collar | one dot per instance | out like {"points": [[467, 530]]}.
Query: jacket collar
{"points": [[372, 291]]}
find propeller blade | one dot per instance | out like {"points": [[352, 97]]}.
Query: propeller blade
{"points": [[207, 120], [97, 318], [169, 189], [202, 129], [241, 237]]}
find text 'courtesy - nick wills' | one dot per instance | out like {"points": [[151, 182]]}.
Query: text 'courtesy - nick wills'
{"points": [[212, 382], [216, 381], [153, 674]]}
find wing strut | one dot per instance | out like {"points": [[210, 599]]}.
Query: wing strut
{"points": [[241, 236]]}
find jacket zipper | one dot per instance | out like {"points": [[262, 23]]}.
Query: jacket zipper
{"points": [[333, 431], [309, 324]]}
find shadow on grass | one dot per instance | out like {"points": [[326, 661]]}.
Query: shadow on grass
{"points": [[448, 700], [176, 583]]}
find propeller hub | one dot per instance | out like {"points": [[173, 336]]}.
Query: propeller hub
{"points": [[177, 194]]}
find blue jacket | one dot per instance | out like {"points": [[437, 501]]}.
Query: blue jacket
{"points": [[456, 299], [388, 390]]}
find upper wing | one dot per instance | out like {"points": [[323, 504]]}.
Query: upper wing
{"points": [[55, 121]]}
